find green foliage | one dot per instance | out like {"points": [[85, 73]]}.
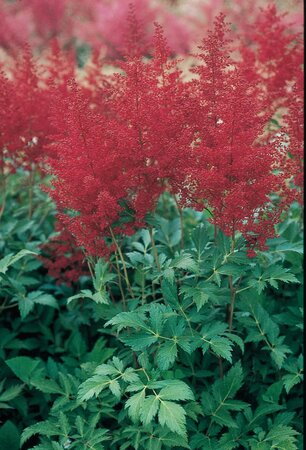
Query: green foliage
{"points": [[148, 354]]}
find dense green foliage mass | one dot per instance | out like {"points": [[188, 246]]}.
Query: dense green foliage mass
{"points": [[180, 340]]}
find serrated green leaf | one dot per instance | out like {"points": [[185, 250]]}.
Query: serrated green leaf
{"points": [[106, 369], [221, 346], [133, 405], [282, 437], [11, 259], [25, 306], [43, 299], [185, 262], [176, 390], [127, 319], [101, 297], [24, 368], [115, 388], [130, 376], [11, 393], [92, 387], [278, 354], [289, 381], [166, 355], [231, 269], [45, 428], [149, 408], [47, 386], [169, 292], [173, 416], [140, 341], [229, 385]]}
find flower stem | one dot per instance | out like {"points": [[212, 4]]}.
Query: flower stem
{"points": [[123, 262], [179, 209], [154, 249]]}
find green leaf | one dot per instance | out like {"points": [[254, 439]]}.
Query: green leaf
{"points": [[98, 297], [263, 410], [47, 386], [221, 346], [24, 368], [45, 428], [115, 389], [92, 387], [139, 341], [198, 294], [282, 437], [148, 409], [231, 269], [133, 405], [127, 319], [173, 416], [166, 355], [169, 292], [9, 436], [130, 376], [106, 369], [185, 262], [101, 297], [221, 403], [11, 393], [43, 299], [231, 383], [280, 274], [200, 238], [11, 259], [273, 392], [176, 390], [278, 354], [25, 305], [289, 380]]}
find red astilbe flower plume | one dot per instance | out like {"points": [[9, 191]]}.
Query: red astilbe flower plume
{"points": [[83, 163], [26, 92], [294, 126], [23, 111], [276, 52], [234, 171], [119, 157], [6, 122], [149, 101]]}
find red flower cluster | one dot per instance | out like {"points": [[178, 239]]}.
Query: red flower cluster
{"points": [[102, 23], [99, 23], [26, 89], [62, 259]]}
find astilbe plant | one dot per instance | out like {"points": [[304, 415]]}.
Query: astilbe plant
{"points": [[206, 141], [204, 345]]}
